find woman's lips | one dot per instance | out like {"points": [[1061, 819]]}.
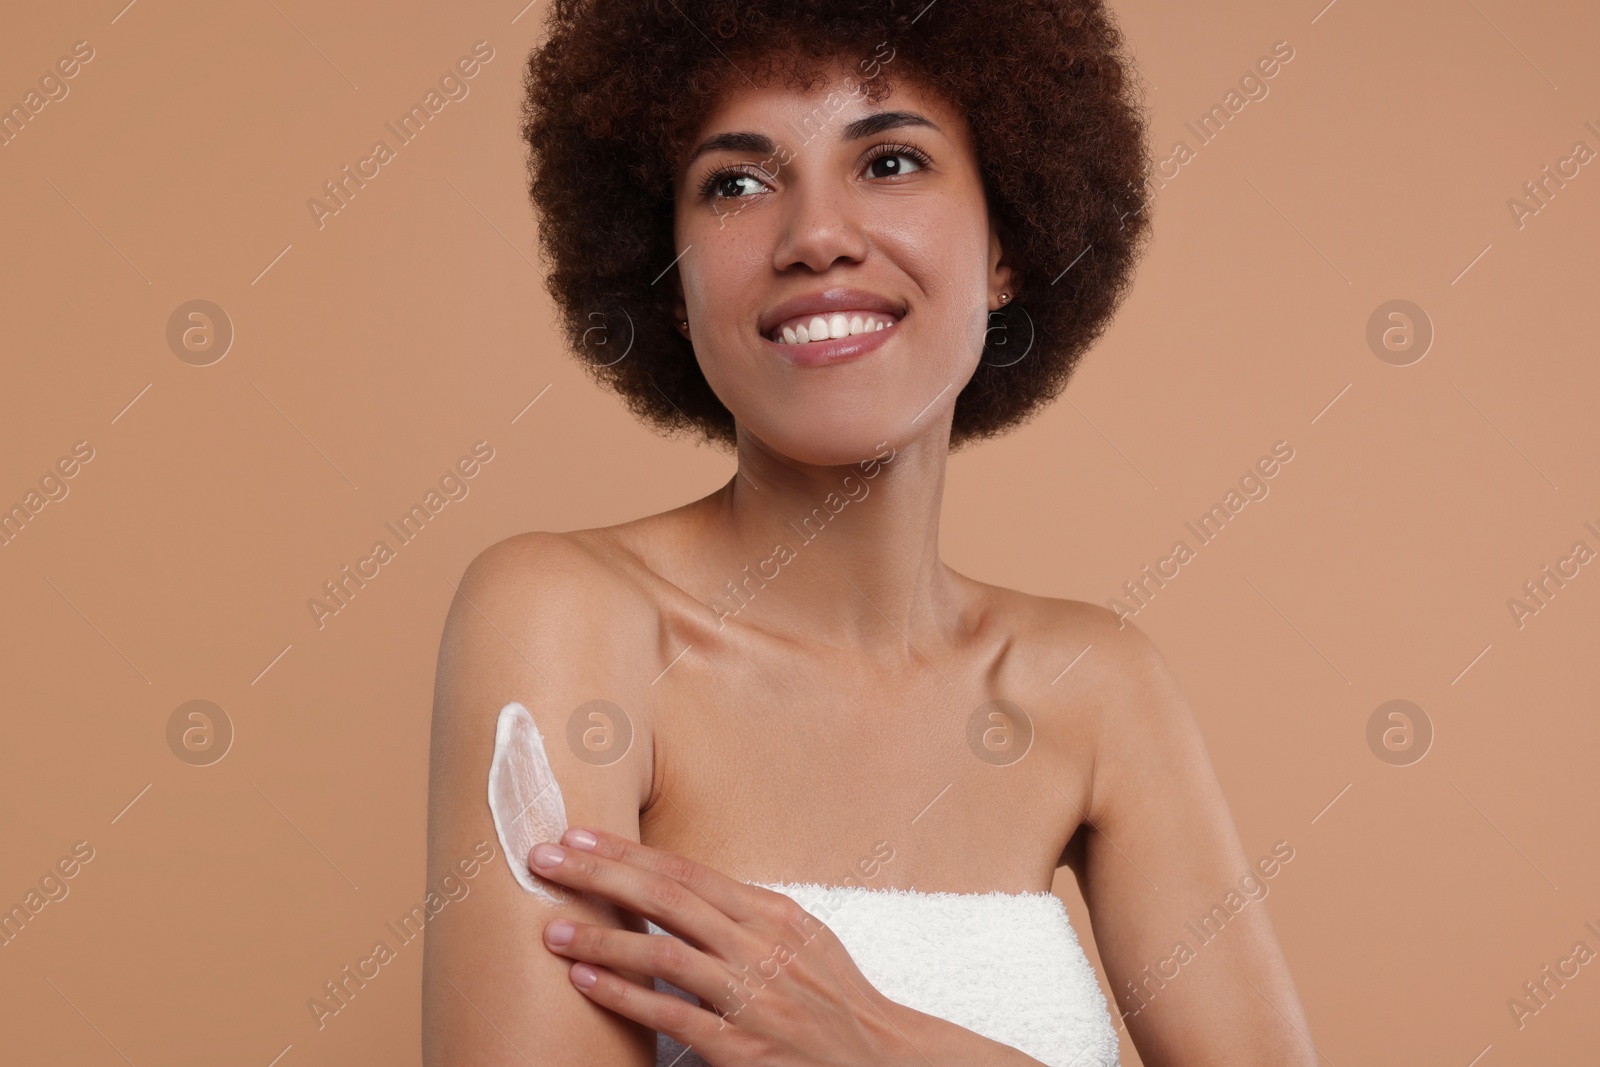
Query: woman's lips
{"points": [[833, 350]]}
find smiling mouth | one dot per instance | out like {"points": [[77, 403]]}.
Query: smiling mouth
{"points": [[807, 329]]}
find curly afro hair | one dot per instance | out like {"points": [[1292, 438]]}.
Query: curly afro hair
{"points": [[619, 87]]}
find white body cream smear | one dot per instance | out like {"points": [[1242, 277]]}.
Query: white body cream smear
{"points": [[525, 799]]}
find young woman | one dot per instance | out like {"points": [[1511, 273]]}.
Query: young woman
{"points": [[817, 782]]}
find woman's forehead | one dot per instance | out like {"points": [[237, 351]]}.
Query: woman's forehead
{"points": [[836, 104]]}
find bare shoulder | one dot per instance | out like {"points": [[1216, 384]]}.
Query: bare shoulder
{"points": [[1129, 672], [1103, 686], [551, 621], [1084, 654], [571, 565]]}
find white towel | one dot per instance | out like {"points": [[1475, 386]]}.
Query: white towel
{"points": [[1004, 965]]}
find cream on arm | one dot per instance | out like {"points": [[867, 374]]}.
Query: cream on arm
{"points": [[525, 799]]}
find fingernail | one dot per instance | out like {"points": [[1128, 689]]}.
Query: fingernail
{"points": [[548, 855], [581, 839], [560, 932], [584, 976]]}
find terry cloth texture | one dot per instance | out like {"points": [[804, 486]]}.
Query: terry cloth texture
{"points": [[1004, 965]]}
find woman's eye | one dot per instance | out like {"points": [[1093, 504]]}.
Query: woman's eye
{"points": [[726, 185], [891, 164]]}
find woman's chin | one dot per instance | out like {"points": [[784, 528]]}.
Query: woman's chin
{"points": [[829, 444]]}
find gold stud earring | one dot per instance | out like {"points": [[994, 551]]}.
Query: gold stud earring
{"points": [[1004, 297]]}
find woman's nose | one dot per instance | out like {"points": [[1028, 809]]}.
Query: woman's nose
{"points": [[819, 227]]}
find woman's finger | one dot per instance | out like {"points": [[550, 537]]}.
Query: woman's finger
{"points": [[653, 955], [672, 905], [735, 899], [688, 1025]]}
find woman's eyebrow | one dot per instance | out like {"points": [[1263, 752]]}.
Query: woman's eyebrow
{"points": [[760, 143], [885, 120], [756, 143]]}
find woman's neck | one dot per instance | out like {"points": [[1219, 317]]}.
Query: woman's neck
{"points": [[846, 555]]}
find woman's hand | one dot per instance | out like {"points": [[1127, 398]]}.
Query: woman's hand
{"points": [[781, 988]]}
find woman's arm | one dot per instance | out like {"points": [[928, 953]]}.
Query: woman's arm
{"points": [[1178, 909], [526, 625]]}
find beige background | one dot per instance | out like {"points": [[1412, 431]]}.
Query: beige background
{"points": [[371, 353]]}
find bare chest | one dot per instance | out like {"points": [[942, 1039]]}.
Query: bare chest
{"points": [[781, 771]]}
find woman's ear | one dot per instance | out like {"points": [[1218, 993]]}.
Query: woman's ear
{"points": [[680, 309], [1003, 276]]}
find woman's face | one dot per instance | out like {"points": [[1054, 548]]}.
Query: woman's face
{"points": [[798, 207]]}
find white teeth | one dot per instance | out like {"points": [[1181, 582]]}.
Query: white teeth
{"points": [[839, 324]]}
